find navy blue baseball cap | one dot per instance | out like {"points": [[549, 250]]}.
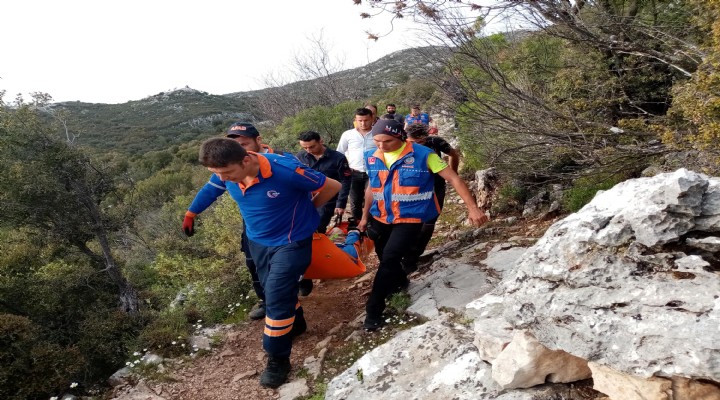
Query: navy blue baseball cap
{"points": [[242, 129], [388, 127]]}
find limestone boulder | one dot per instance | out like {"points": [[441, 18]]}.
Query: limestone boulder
{"points": [[615, 283]]}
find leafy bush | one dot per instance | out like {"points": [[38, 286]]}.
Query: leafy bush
{"points": [[166, 333], [329, 122], [27, 360], [585, 188], [510, 198], [106, 339]]}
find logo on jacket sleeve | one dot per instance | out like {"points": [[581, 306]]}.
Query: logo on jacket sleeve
{"points": [[371, 160], [273, 194]]}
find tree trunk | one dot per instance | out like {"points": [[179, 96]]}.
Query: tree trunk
{"points": [[128, 294]]}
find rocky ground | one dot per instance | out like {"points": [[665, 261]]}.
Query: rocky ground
{"points": [[333, 341]]}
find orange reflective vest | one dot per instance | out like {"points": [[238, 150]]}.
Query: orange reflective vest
{"points": [[404, 192]]}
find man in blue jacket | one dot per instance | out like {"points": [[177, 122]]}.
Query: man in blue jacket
{"points": [[249, 138], [330, 163], [277, 197]]}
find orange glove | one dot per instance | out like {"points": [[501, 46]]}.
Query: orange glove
{"points": [[188, 225]]}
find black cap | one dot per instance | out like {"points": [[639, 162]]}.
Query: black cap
{"points": [[388, 127], [242, 129]]}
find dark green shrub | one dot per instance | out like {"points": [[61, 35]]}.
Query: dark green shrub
{"points": [[166, 333], [510, 198], [585, 188], [31, 367], [106, 340]]}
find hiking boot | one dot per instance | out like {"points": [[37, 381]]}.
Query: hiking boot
{"points": [[306, 287], [276, 372], [401, 286], [299, 327], [408, 266], [373, 323], [257, 312]]}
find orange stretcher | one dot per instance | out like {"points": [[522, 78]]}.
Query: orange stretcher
{"points": [[330, 262]]}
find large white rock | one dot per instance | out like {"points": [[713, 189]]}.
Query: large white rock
{"points": [[492, 331], [451, 285], [435, 360], [614, 284]]}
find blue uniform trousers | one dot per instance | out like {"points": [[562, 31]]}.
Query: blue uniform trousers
{"points": [[280, 269], [250, 264]]}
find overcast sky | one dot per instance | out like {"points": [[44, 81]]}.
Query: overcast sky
{"points": [[116, 51]]}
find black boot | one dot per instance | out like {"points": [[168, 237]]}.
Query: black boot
{"points": [[373, 323], [299, 326], [306, 286], [276, 372]]}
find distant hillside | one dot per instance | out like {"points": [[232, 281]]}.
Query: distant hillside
{"points": [[169, 118], [154, 122], [373, 79]]}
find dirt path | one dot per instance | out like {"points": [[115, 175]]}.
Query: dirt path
{"points": [[232, 370]]}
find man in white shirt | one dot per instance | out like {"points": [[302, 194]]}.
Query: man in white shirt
{"points": [[353, 144]]}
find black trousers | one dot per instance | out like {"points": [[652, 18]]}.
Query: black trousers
{"points": [[358, 183], [326, 212], [418, 247], [392, 243]]}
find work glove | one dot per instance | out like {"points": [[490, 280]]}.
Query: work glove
{"points": [[188, 225]]}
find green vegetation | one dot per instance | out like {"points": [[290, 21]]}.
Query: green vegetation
{"points": [[318, 392], [585, 188], [92, 260], [399, 302], [510, 199]]}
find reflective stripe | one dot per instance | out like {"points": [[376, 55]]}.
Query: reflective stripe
{"points": [[279, 323], [412, 197], [280, 332], [217, 186], [378, 196]]}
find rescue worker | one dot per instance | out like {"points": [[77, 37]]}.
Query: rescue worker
{"points": [[418, 117], [400, 197], [277, 197], [249, 138], [418, 133]]}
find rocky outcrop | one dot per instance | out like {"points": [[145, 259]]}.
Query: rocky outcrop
{"points": [[627, 290], [615, 284]]}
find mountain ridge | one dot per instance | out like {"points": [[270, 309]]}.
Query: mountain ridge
{"points": [[185, 114]]}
